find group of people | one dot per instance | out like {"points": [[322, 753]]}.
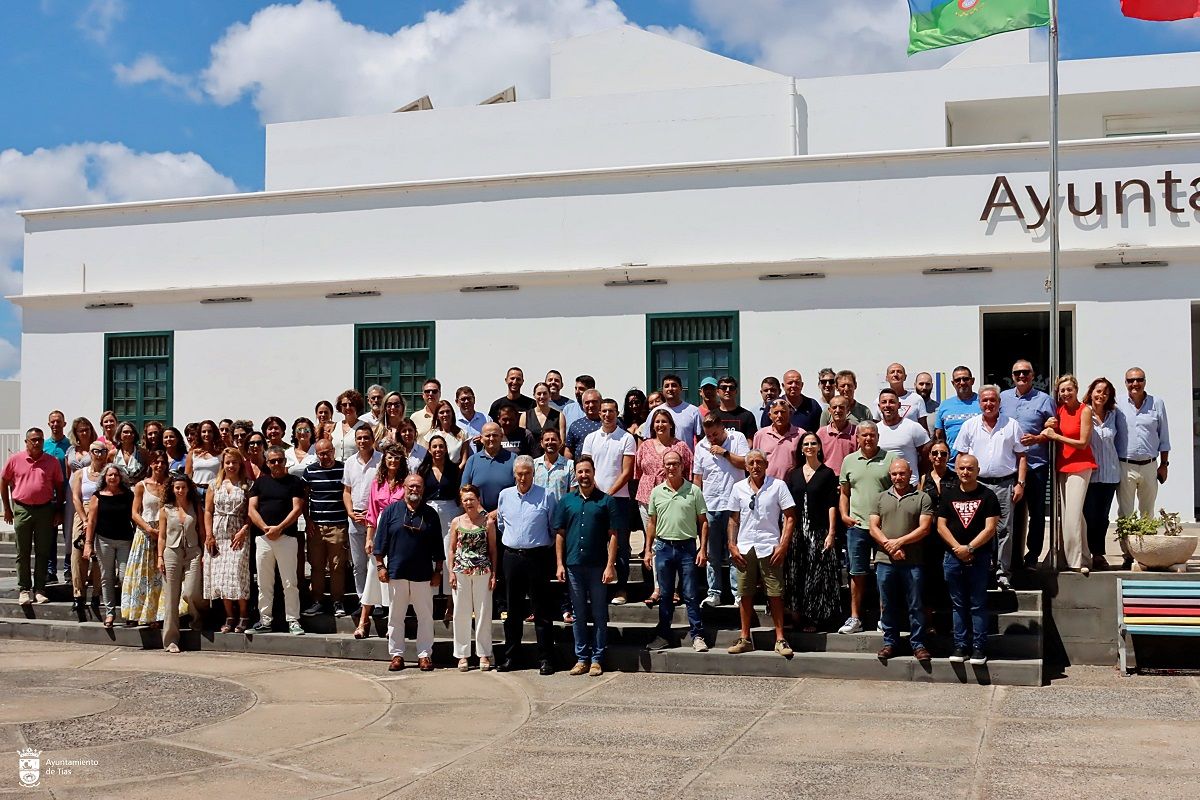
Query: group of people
{"points": [[927, 496]]}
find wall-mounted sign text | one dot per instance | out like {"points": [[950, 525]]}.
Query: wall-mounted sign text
{"points": [[1136, 196]]}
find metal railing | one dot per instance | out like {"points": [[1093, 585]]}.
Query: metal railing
{"points": [[11, 441]]}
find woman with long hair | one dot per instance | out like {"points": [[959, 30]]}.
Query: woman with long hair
{"points": [[442, 478], [79, 456], [84, 485], [130, 456], [811, 593], [110, 535], [324, 413], [537, 419], [472, 559], [387, 488], [302, 452], [934, 483], [141, 588], [648, 472], [180, 531], [204, 459], [393, 414], [350, 403], [634, 412], [176, 447], [445, 424], [227, 532], [108, 429], [1071, 428], [256, 455], [1109, 439]]}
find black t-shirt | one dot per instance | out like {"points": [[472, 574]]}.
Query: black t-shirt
{"points": [[966, 513], [739, 420], [275, 499], [523, 403]]}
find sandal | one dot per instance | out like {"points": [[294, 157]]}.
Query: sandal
{"points": [[155, 625], [652, 600], [243, 623], [464, 665], [485, 665], [361, 632], [228, 626], [108, 622]]}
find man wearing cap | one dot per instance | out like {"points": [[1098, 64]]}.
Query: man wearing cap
{"points": [[708, 395]]}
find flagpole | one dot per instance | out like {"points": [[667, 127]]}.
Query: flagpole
{"points": [[1055, 246]]}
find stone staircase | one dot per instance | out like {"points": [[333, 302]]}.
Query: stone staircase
{"points": [[1015, 642]]}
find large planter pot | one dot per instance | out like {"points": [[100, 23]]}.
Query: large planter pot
{"points": [[1159, 552]]}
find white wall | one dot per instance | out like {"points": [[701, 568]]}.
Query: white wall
{"points": [[61, 370], [700, 124], [10, 404]]}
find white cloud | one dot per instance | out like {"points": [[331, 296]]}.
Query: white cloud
{"points": [[99, 18], [88, 172], [812, 39], [304, 61], [10, 359], [149, 69]]}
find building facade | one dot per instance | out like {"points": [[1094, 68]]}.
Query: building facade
{"points": [[666, 209]]}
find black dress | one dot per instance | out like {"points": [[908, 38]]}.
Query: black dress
{"points": [[536, 428], [933, 576], [810, 575]]}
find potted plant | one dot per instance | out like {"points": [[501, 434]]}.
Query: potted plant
{"points": [[1155, 542]]}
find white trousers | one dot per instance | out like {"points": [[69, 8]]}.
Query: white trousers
{"points": [[472, 597], [420, 595], [269, 555], [1138, 482], [1072, 489]]}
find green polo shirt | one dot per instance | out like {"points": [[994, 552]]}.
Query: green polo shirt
{"points": [[900, 516], [675, 512], [867, 478], [586, 522]]}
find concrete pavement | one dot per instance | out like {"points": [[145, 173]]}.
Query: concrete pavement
{"points": [[145, 724]]}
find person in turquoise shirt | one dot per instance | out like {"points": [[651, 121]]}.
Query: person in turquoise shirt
{"points": [[956, 410]]}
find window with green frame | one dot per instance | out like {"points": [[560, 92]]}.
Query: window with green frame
{"points": [[397, 356], [693, 346], [138, 376]]}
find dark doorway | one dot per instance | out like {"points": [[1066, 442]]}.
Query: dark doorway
{"points": [[1012, 335]]}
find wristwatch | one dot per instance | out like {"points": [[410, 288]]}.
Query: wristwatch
{"points": [[971, 549]]}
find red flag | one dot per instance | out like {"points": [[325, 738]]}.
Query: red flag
{"points": [[1161, 10]]}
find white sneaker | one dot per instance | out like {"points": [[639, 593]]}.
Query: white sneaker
{"points": [[25, 598], [40, 598], [852, 625], [978, 660], [710, 601], [699, 645]]}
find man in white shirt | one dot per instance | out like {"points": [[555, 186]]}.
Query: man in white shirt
{"points": [[719, 463], [688, 427], [375, 396], [612, 450], [426, 416], [912, 405], [900, 435], [758, 545], [995, 441], [357, 476]]}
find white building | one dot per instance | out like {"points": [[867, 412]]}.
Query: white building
{"points": [[650, 160]]}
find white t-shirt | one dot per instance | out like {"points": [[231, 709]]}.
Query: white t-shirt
{"points": [[912, 406], [689, 426], [358, 476], [759, 528], [718, 473], [904, 439], [608, 451]]}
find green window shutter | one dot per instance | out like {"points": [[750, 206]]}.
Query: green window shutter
{"points": [[693, 346], [397, 356], [138, 373]]}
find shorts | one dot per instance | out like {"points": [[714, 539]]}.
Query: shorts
{"points": [[859, 550], [760, 569]]}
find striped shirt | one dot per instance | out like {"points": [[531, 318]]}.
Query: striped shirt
{"points": [[325, 504]]}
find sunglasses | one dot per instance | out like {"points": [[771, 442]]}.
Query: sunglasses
{"points": [[828, 382], [393, 404], [256, 443], [431, 391], [276, 461], [303, 430], [347, 404], [725, 387], [1022, 373], [1135, 380], [939, 454], [963, 380], [98, 452]]}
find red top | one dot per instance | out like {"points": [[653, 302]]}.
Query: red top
{"points": [[1073, 459]]}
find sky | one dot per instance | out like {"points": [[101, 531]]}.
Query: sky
{"points": [[116, 100]]}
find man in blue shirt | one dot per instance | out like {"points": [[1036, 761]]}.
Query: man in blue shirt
{"points": [[586, 546], [1031, 408], [57, 444], [1149, 441], [956, 410], [573, 410], [525, 513], [490, 469], [578, 430]]}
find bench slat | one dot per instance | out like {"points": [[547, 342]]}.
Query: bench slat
{"points": [[1162, 593], [1185, 584], [1182, 602], [1135, 610], [1149, 620], [1164, 630]]}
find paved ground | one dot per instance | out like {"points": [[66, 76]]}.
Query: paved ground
{"points": [[143, 724]]}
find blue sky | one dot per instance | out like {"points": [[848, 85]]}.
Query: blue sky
{"points": [[200, 77]]}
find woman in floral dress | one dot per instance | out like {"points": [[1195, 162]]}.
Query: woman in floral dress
{"points": [[472, 554], [141, 588], [227, 568]]}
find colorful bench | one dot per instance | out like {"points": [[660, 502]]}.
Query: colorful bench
{"points": [[1157, 608]]}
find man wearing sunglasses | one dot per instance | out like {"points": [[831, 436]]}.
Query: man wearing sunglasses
{"points": [[276, 503], [1149, 441], [1031, 408], [956, 410], [827, 381], [731, 414], [425, 417]]}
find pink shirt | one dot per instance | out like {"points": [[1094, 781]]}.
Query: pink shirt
{"points": [[33, 482], [779, 449], [380, 498], [648, 466], [836, 446]]}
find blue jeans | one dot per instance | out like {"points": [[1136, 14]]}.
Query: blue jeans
{"points": [[900, 589], [587, 584], [671, 557], [718, 555], [968, 596]]}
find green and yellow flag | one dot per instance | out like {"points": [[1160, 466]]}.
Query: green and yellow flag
{"points": [[941, 23]]}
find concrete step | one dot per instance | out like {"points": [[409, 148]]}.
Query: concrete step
{"points": [[1026, 672], [1009, 645], [847, 666]]}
